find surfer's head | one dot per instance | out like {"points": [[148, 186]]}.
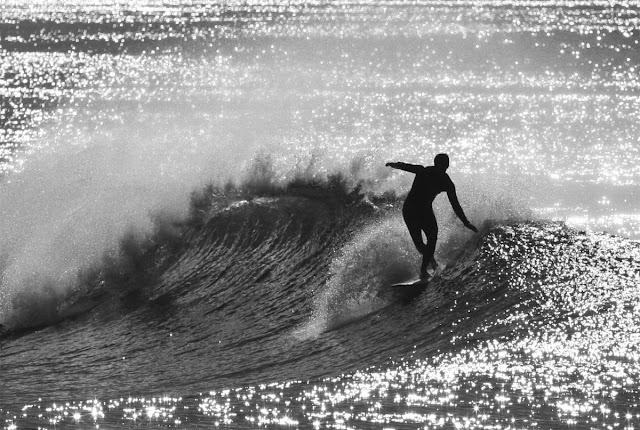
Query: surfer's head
{"points": [[441, 161]]}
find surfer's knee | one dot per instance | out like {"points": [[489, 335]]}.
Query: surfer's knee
{"points": [[419, 244]]}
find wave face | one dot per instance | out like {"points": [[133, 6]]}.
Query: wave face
{"points": [[294, 286], [224, 293]]}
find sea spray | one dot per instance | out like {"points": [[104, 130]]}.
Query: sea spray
{"points": [[376, 257], [76, 196]]}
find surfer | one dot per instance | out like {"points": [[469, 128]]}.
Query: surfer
{"points": [[417, 210]]}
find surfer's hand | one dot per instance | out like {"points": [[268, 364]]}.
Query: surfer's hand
{"points": [[470, 226], [390, 164]]}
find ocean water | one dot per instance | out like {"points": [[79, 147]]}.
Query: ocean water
{"points": [[198, 230]]}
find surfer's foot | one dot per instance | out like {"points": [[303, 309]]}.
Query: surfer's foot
{"points": [[424, 274]]}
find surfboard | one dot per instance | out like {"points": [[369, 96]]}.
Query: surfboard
{"points": [[408, 290], [413, 283]]}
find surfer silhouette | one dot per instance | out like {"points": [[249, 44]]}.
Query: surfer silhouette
{"points": [[417, 210]]}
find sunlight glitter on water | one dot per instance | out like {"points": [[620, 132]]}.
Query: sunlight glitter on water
{"points": [[514, 129], [548, 92], [627, 225], [576, 137]]}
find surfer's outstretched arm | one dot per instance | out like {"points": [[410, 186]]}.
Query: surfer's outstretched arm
{"points": [[455, 204], [413, 168]]}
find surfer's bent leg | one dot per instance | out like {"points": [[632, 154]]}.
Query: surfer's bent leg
{"points": [[414, 224], [430, 228]]}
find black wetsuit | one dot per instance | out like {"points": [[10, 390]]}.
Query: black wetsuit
{"points": [[418, 211]]}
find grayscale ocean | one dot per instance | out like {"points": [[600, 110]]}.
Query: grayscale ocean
{"points": [[198, 230]]}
